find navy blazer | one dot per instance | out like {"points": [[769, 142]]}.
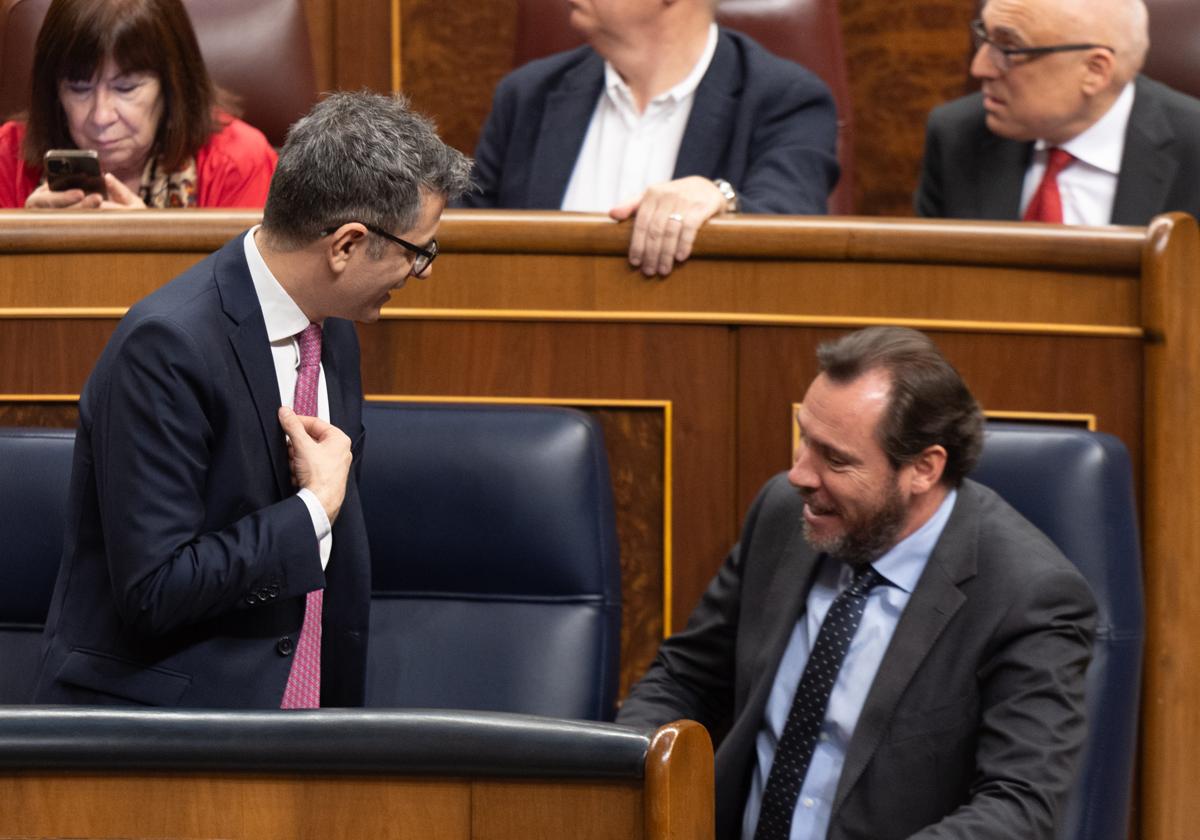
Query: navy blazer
{"points": [[974, 723], [187, 553], [970, 173], [766, 125]]}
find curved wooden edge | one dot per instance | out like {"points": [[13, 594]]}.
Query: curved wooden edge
{"points": [[1171, 527], [838, 238], [679, 783]]}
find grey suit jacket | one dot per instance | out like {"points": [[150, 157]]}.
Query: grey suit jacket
{"points": [[975, 719], [970, 173]]}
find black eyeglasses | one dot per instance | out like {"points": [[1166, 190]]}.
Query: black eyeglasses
{"points": [[424, 256], [1002, 57]]}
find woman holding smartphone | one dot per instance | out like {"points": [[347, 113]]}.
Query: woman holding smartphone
{"points": [[125, 79]]}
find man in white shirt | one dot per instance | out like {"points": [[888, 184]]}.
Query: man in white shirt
{"points": [[664, 118], [1061, 78], [215, 553]]}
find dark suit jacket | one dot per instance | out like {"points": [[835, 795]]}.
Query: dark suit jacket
{"points": [[974, 721], [187, 553], [970, 173], [766, 125]]}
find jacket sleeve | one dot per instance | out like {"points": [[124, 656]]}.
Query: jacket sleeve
{"points": [[694, 675], [176, 557], [1032, 724], [492, 150], [928, 201], [792, 167]]}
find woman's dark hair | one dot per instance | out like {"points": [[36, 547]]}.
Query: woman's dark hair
{"points": [[140, 36], [928, 404]]}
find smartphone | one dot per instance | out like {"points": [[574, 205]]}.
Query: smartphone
{"points": [[75, 169]]}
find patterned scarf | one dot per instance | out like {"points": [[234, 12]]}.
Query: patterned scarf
{"points": [[169, 189]]}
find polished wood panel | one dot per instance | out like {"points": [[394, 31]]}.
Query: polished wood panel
{"points": [[555, 361], [1171, 535], [544, 306], [673, 800], [904, 59], [637, 445]]}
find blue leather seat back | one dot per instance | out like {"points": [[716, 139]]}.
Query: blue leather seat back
{"points": [[495, 561], [35, 471], [1077, 487]]}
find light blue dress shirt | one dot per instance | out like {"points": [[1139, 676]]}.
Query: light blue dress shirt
{"points": [[902, 567]]}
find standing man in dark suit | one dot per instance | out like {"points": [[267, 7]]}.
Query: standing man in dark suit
{"points": [[1061, 91], [215, 554], [955, 706], [663, 117]]}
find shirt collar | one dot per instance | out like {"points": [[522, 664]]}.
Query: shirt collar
{"points": [[1103, 142], [903, 564], [281, 315], [619, 92]]}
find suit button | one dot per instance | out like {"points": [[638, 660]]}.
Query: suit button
{"points": [[284, 646], [251, 600], [273, 592]]}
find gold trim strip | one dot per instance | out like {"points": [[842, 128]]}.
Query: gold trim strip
{"points": [[668, 317], [1046, 416], [751, 318], [39, 398], [75, 313], [570, 401], [397, 63]]}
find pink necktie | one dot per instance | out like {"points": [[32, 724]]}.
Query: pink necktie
{"points": [[303, 689], [1046, 204]]}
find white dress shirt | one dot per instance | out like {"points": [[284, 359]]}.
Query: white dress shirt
{"points": [[1088, 185], [284, 321], [901, 567], [625, 151]]}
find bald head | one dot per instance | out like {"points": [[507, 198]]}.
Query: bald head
{"points": [[1123, 25], [1056, 95]]}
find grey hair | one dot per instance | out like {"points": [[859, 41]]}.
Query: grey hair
{"points": [[361, 157]]}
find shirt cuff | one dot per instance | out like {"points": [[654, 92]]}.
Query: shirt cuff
{"points": [[320, 521]]}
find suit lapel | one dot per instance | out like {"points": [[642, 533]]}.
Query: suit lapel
{"points": [[714, 108], [248, 338], [934, 602], [783, 603], [1148, 167], [332, 361], [780, 604], [1001, 177], [565, 121]]}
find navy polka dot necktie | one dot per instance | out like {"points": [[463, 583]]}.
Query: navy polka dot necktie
{"points": [[799, 739]]}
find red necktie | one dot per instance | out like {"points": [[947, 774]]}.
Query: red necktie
{"points": [[303, 689], [1046, 204]]}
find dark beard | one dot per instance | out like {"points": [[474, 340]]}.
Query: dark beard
{"points": [[867, 541]]}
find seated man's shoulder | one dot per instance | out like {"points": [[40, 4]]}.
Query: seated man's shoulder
{"points": [[966, 111], [549, 70], [763, 66], [1179, 104], [1011, 547]]}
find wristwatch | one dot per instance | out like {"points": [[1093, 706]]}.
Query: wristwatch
{"points": [[728, 193]]}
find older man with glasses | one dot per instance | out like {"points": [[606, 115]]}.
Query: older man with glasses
{"points": [[1064, 129]]}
